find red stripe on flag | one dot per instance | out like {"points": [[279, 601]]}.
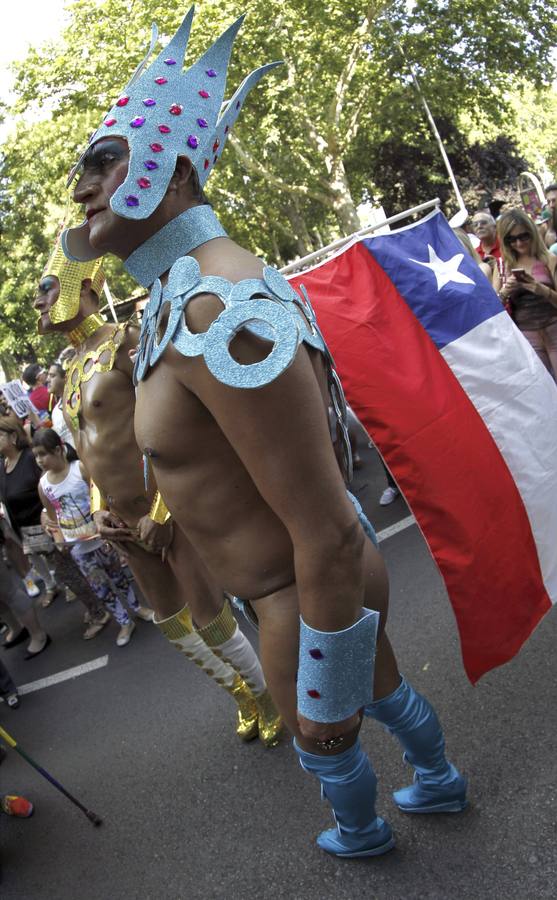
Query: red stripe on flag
{"points": [[440, 452]]}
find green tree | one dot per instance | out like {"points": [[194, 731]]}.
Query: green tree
{"points": [[318, 136]]}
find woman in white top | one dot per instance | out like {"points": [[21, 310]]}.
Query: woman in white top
{"points": [[64, 491], [55, 384]]}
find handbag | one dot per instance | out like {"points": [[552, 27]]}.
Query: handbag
{"points": [[35, 540]]}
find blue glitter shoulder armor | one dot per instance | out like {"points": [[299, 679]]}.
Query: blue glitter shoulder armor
{"points": [[268, 306]]}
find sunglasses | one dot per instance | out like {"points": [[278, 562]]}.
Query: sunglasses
{"points": [[513, 238]]}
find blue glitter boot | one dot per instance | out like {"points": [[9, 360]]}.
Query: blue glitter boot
{"points": [[348, 782], [438, 786]]}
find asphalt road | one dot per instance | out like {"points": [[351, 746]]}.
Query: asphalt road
{"points": [[190, 813]]}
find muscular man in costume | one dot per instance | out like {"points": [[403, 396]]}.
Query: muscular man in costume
{"points": [[234, 381], [98, 405]]}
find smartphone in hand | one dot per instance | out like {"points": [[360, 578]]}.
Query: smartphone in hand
{"points": [[519, 274]]}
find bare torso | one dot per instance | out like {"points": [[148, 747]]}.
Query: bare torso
{"points": [[104, 439], [213, 497]]}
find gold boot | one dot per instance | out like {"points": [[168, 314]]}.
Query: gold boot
{"points": [[247, 710], [270, 723]]}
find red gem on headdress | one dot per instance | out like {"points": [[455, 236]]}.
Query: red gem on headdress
{"points": [[216, 145], [156, 148], [164, 129], [211, 73], [206, 164], [204, 94], [109, 122], [175, 109], [315, 695], [144, 182], [149, 101], [193, 142], [137, 122], [161, 80], [122, 101]]}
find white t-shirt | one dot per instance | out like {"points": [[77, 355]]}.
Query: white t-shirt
{"points": [[70, 500], [59, 425]]}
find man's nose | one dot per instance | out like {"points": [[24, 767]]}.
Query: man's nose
{"points": [[38, 303], [85, 188]]}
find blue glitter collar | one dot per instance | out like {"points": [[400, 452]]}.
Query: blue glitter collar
{"points": [[177, 238]]}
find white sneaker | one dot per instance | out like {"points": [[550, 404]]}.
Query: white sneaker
{"points": [[388, 496], [31, 587], [125, 633]]}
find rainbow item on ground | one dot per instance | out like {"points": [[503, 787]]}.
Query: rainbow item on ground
{"points": [[163, 113]]}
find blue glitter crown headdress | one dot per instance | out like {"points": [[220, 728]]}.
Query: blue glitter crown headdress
{"points": [[166, 112]]}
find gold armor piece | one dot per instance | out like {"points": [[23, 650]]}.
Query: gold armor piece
{"points": [[83, 366], [71, 275]]}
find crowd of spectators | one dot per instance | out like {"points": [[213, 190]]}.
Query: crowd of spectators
{"points": [[48, 542]]}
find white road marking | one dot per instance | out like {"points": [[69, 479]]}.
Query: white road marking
{"points": [[65, 675], [394, 529]]}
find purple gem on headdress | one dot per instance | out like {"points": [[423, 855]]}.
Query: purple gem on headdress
{"points": [[137, 122], [149, 102], [238, 105], [204, 94], [144, 182], [150, 164], [164, 129], [170, 62], [203, 123], [156, 148], [211, 73], [132, 200], [316, 653], [215, 158], [122, 101], [175, 109], [161, 80], [192, 141], [109, 122], [226, 129]]}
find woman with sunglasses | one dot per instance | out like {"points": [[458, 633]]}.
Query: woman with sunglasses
{"points": [[525, 281]]}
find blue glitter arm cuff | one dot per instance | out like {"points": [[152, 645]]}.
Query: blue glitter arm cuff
{"points": [[335, 673]]}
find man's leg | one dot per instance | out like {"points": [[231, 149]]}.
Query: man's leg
{"points": [[170, 597], [217, 627], [408, 716], [345, 774]]}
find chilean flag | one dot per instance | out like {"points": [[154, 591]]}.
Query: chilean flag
{"points": [[464, 414]]}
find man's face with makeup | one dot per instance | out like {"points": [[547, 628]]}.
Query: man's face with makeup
{"points": [[47, 295], [104, 169]]}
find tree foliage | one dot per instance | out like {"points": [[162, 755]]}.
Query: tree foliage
{"points": [[338, 124]]}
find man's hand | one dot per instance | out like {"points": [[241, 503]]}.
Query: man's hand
{"points": [[111, 527], [155, 536], [324, 731]]}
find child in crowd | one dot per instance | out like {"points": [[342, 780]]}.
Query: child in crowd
{"points": [[64, 491]]}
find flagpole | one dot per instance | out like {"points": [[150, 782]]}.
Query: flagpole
{"points": [[460, 217], [293, 266]]}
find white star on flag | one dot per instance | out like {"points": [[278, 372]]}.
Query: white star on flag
{"points": [[445, 270]]}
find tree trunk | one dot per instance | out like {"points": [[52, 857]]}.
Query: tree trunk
{"points": [[304, 243], [343, 204]]}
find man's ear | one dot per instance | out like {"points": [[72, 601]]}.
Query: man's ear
{"points": [[182, 174]]}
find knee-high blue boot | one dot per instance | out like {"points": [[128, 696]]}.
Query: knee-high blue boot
{"points": [[438, 786], [348, 782]]}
